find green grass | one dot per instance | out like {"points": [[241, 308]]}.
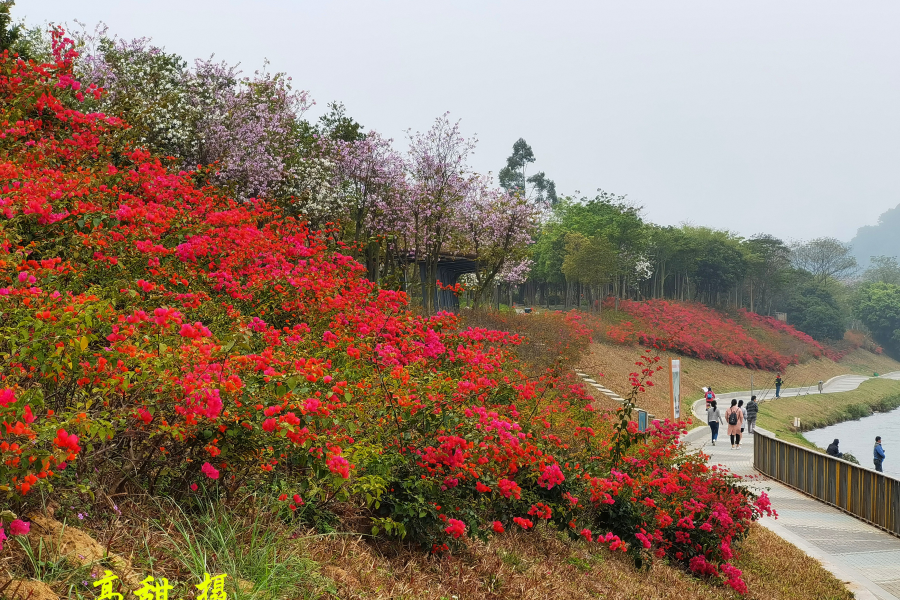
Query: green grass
{"points": [[252, 550], [822, 410]]}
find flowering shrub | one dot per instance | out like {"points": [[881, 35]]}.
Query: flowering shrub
{"points": [[207, 342], [694, 329]]}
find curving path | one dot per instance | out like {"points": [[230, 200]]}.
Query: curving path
{"points": [[863, 556]]}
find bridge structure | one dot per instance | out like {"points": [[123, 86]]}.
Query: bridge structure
{"points": [[449, 269]]}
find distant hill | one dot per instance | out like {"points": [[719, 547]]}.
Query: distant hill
{"points": [[882, 239]]}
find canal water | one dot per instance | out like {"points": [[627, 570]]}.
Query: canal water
{"points": [[858, 438]]}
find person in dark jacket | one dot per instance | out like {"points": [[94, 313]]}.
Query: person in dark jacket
{"points": [[879, 454], [833, 449], [752, 410], [778, 386]]}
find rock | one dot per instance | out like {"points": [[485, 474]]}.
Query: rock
{"points": [[78, 546], [26, 589]]}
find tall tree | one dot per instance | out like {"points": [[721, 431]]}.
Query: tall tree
{"points": [[768, 259], [883, 269], [512, 176], [825, 258]]}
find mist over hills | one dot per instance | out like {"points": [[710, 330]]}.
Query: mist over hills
{"points": [[881, 239]]}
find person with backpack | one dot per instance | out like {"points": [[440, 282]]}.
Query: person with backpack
{"points": [[714, 418], [778, 386], [743, 414], [710, 397], [752, 410], [735, 418], [879, 454]]}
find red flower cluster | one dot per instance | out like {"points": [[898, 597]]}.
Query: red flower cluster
{"points": [[157, 320], [694, 329]]}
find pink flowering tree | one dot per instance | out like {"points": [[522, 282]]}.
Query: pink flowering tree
{"points": [[497, 228], [207, 114]]}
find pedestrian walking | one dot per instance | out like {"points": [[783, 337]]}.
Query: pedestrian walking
{"points": [[752, 410], [743, 414], [735, 418], [710, 397], [879, 454], [833, 449], [714, 418], [821, 385], [778, 386]]}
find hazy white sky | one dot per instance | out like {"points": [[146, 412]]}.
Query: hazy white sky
{"points": [[752, 116]]}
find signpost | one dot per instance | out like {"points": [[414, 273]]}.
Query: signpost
{"points": [[675, 386]]}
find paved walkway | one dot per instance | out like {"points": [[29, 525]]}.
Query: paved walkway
{"points": [[863, 556]]}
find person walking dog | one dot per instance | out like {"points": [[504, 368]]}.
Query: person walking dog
{"points": [[778, 386], [735, 418], [879, 454], [752, 410], [714, 418]]}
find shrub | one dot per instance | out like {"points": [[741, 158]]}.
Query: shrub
{"points": [[159, 335]]}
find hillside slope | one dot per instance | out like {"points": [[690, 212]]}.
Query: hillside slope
{"points": [[615, 362]]}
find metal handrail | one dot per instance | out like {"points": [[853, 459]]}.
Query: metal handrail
{"points": [[866, 494]]}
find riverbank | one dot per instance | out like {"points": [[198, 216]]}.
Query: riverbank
{"points": [[821, 410]]}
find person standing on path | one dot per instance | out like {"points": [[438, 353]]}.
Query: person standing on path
{"points": [[778, 386], [879, 454], [714, 418], [743, 414], [821, 384], [735, 418], [752, 409], [710, 397]]}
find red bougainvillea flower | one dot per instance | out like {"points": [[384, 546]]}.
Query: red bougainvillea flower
{"points": [[339, 465], [456, 528], [497, 526], [7, 397], [19, 527], [523, 523], [210, 471]]}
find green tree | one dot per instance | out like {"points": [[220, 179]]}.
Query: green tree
{"points": [[589, 261], [512, 176], [883, 269], [825, 258], [9, 33], [768, 261], [813, 309], [877, 305], [338, 126]]}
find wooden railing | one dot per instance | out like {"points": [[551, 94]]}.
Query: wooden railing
{"points": [[871, 496]]}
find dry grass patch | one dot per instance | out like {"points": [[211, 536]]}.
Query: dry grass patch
{"points": [[543, 565]]}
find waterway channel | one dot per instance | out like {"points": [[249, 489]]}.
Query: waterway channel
{"points": [[858, 438]]}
